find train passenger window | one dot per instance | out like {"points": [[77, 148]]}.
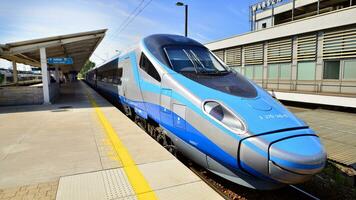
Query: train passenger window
{"points": [[117, 76], [148, 67]]}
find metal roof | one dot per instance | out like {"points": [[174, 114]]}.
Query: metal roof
{"points": [[78, 46]]}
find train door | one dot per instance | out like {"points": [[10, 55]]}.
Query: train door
{"points": [[131, 84], [166, 117]]}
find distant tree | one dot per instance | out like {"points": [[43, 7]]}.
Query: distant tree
{"points": [[87, 66]]}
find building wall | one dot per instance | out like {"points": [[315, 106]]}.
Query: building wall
{"points": [[21, 95], [344, 17], [322, 61], [53, 91], [267, 21], [284, 8]]}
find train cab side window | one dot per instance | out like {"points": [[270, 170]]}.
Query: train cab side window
{"points": [[148, 67]]}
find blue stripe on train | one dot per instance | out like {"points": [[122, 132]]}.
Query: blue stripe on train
{"points": [[198, 140]]}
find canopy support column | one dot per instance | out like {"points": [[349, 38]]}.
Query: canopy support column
{"points": [[45, 76], [56, 74], [14, 72]]}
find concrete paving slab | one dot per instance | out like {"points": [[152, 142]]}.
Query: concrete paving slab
{"points": [[39, 144], [195, 190], [165, 174]]}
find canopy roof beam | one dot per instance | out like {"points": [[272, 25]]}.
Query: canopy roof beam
{"points": [[32, 47]]}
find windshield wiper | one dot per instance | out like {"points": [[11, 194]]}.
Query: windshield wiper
{"points": [[192, 61], [216, 72], [205, 70]]}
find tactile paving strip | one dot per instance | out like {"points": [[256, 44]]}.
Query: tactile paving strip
{"points": [[117, 185], [107, 184]]}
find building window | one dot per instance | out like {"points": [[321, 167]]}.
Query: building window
{"points": [[249, 71], [286, 70], [306, 71], [350, 69], [258, 72], [331, 69], [236, 68], [273, 71], [280, 71], [254, 72]]}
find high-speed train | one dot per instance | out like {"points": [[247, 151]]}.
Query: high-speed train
{"points": [[192, 103]]}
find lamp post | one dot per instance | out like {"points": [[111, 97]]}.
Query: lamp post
{"points": [[186, 17]]}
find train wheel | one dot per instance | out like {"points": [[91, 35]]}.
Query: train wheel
{"points": [[165, 141], [140, 122], [127, 111], [151, 130], [171, 147]]}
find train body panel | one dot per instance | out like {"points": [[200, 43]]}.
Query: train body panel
{"points": [[223, 122]]}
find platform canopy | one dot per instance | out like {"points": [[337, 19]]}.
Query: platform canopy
{"points": [[78, 46]]}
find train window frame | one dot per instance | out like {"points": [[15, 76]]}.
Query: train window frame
{"points": [[151, 72]]}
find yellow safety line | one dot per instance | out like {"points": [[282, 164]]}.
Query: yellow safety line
{"points": [[137, 180]]}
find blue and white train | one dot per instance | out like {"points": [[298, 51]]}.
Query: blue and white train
{"points": [[191, 102]]}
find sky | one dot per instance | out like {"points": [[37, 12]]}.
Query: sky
{"points": [[209, 20]]}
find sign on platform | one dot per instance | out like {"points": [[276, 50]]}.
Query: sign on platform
{"points": [[63, 61]]}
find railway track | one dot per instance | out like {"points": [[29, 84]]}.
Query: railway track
{"points": [[231, 191], [214, 187]]}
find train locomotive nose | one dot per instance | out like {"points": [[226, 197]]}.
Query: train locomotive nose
{"points": [[288, 160], [296, 159]]}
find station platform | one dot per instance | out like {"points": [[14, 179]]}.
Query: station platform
{"points": [[82, 147]]}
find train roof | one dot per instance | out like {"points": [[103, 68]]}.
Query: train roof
{"points": [[161, 40], [121, 54], [155, 44]]}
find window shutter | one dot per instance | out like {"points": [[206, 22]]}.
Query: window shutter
{"points": [[233, 56], [306, 47], [219, 54], [279, 51], [253, 54], [339, 44]]}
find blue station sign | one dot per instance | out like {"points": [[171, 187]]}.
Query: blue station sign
{"points": [[63, 61]]}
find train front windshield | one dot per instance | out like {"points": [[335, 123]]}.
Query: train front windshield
{"points": [[199, 65], [193, 59]]}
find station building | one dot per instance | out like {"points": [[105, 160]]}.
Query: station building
{"points": [[302, 50]]}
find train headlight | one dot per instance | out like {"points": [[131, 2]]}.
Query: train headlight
{"points": [[224, 116]]}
